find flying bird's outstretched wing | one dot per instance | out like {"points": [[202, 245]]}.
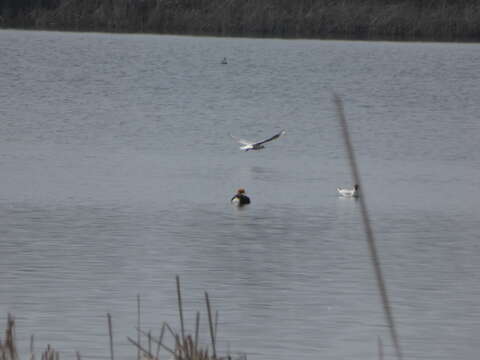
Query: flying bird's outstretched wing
{"points": [[276, 136], [241, 141]]}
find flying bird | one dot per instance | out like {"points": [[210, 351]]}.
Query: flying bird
{"points": [[249, 145]]}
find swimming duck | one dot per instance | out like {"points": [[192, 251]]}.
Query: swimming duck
{"points": [[349, 192], [240, 198], [224, 61]]}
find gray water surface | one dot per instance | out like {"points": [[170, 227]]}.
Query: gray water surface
{"points": [[117, 170]]}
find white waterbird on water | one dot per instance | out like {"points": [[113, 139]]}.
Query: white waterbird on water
{"points": [[349, 192], [249, 145]]}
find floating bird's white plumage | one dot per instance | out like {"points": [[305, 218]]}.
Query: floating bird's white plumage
{"points": [[349, 192], [249, 145]]}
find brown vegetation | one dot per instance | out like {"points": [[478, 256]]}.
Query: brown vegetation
{"points": [[358, 19], [185, 346]]}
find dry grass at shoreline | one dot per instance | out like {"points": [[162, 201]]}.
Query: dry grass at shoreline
{"points": [[185, 346]]}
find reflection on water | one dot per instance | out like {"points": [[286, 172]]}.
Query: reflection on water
{"points": [[117, 174]]}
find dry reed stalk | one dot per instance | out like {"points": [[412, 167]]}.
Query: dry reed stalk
{"points": [[170, 330], [138, 325], [8, 349], [50, 354], [197, 326], [140, 349], [381, 285], [110, 334], [186, 346], [190, 347], [178, 344], [212, 335], [159, 343], [32, 349], [180, 309]]}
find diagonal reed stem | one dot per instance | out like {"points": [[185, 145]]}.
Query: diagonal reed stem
{"points": [[387, 309], [210, 323], [110, 333], [173, 333], [140, 348], [139, 327], [160, 339], [180, 308], [197, 326]]}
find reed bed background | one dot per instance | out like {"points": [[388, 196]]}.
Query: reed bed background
{"points": [[444, 20]]}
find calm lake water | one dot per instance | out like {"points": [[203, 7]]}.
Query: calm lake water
{"points": [[117, 170]]}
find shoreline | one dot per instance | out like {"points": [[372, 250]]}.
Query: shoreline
{"points": [[366, 20], [246, 36]]}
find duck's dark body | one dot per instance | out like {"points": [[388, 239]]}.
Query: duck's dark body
{"points": [[240, 199]]}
